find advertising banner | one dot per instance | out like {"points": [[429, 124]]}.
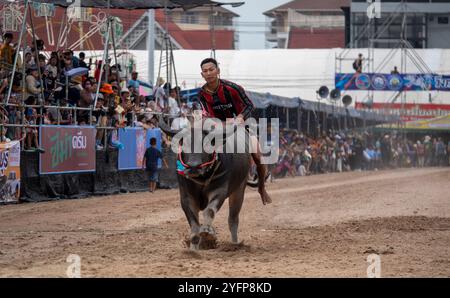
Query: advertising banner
{"points": [[135, 141], [408, 111], [68, 149], [9, 172], [392, 82]]}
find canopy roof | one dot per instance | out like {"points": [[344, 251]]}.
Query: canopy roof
{"points": [[135, 4]]}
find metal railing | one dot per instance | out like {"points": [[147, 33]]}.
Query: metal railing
{"points": [[72, 119]]}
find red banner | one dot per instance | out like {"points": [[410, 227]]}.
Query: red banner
{"points": [[68, 149], [411, 111]]}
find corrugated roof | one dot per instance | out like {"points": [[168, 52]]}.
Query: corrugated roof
{"points": [[321, 5]]}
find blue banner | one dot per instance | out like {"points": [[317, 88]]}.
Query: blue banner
{"points": [[135, 141], [392, 82]]}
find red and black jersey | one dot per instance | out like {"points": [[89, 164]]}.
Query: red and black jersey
{"points": [[228, 101]]}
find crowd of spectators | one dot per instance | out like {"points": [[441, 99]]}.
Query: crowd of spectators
{"points": [[43, 86], [302, 155], [120, 104]]}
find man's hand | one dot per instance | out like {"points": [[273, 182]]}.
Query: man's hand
{"points": [[239, 119]]}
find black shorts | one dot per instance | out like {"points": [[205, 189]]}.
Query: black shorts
{"points": [[153, 175]]}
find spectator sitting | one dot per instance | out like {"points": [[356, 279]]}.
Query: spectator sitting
{"points": [[33, 88], [7, 52], [29, 61], [87, 97]]}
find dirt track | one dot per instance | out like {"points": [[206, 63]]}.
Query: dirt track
{"points": [[318, 226]]}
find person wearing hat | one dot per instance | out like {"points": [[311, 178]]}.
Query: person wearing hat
{"points": [[77, 82], [127, 104], [124, 94], [107, 89], [107, 93]]}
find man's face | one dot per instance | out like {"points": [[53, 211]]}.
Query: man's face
{"points": [[210, 72], [125, 95], [88, 86], [134, 76]]}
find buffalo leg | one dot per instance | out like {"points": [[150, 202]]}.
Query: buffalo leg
{"points": [[207, 233], [235, 202], [191, 211]]}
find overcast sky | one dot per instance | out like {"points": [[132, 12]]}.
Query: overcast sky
{"points": [[251, 23]]}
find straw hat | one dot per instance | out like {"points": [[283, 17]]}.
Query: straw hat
{"points": [[77, 80]]}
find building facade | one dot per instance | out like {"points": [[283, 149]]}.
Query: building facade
{"points": [[307, 24], [425, 23]]}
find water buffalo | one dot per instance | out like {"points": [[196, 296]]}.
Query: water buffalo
{"points": [[205, 181]]}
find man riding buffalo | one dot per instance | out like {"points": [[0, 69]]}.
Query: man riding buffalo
{"points": [[228, 102]]}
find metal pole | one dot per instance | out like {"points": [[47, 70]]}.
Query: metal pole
{"points": [[114, 42], [166, 44], [213, 34], [17, 51], [151, 46], [37, 55], [175, 73], [105, 54], [67, 88]]}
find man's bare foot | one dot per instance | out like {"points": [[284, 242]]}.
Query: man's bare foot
{"points": [[266, 199]]}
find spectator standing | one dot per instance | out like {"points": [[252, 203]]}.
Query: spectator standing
{"points": [[160, 95], [395, 71], [150, 162], [420, 149], [134, 81], [357, 64], [172, 103]]}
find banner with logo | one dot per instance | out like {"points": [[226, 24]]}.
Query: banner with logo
{"points": [[408, 111], [135, 141], [9, 172], [68, 149], [392, 82]]}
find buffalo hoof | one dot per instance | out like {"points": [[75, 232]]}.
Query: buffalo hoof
{"points": [[208, 239], [194, 243]]}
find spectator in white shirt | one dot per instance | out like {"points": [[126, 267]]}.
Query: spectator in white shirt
{"points": [[174, 109], [180, 122]]}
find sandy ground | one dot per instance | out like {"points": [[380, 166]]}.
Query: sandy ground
{"points": [[318, 226]]}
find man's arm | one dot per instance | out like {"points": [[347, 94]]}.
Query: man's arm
{"points": [[248, 105], [160, 155]]}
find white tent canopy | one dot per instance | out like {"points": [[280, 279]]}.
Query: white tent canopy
{"points": [[294, 73]]}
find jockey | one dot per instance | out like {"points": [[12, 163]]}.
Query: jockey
{"points": [[224, 100]]}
